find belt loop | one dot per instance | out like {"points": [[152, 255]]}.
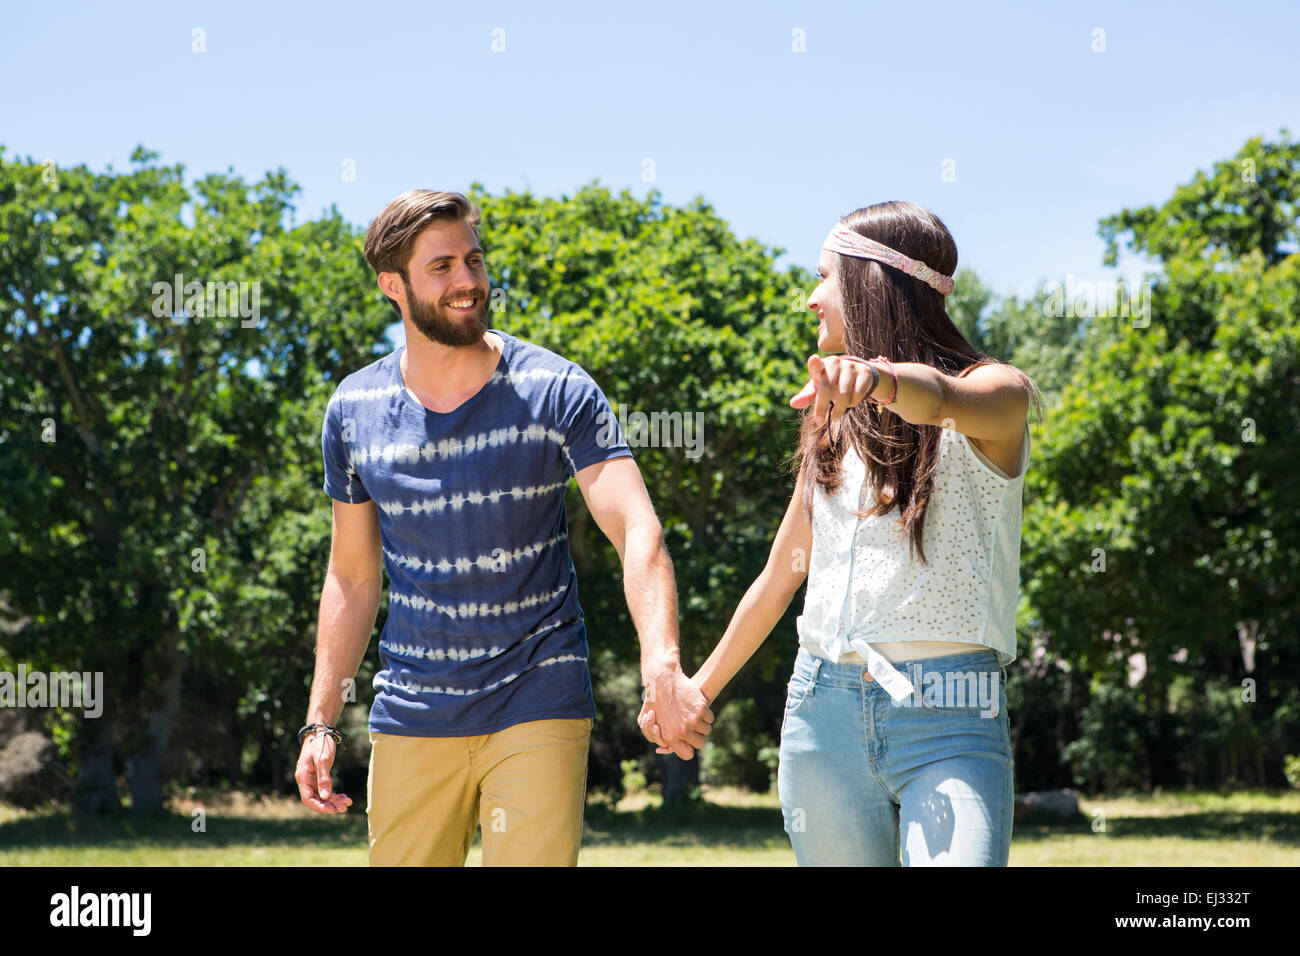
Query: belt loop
{"points": [[817, 666]]}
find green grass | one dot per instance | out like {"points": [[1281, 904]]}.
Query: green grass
{"points": [[1246, 828], [728, 829]]}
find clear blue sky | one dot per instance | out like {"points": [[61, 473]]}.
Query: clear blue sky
{"points": [[1045, 135]]}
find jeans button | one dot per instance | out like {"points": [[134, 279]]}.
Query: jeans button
{"points": [[866, 675]]}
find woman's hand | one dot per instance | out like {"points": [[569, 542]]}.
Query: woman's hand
{"points": [[836, 383]]}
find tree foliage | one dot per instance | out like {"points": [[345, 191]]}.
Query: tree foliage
{"points": [[1164, 518], [161, 458]]}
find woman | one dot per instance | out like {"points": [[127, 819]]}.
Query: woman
{"points": [[905, 519]]}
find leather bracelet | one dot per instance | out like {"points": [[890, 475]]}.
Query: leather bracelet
{"points": [[334, 733]]}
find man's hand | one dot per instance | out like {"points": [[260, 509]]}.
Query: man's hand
{"points": [[841, 379], [651, 729], [313, 776], [675, 715]]}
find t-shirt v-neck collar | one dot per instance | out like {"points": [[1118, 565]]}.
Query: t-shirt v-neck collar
{"points": [[501, 368]]}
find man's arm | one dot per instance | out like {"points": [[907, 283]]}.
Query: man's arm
{"points": [[349, 602], [618, 500]]}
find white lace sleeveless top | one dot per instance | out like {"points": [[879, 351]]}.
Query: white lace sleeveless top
{"points": [[864, 587]]}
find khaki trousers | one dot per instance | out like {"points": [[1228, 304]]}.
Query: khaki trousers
{"points": [[525, 785]]}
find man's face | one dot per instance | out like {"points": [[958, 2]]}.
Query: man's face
{"points": [[446, 289]]}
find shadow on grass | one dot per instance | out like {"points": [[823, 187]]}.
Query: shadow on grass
{"points": [[173, 830], [1265, 825], [701, 825]]}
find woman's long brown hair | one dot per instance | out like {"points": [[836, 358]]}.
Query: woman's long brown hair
{"points": [[887, 312]]}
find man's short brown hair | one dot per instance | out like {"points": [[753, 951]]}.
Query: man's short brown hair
{"points": [[391, 237]]}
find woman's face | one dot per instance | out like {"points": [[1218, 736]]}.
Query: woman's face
{"points": [[825, 301]]}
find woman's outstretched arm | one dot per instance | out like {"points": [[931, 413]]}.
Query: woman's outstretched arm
{"points": [[990, 402]]}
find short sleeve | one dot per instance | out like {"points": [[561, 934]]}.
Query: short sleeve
{"points": [[591, 430], [341, 479]]}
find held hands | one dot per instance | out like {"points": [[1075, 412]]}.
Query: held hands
{"points": [[840, 379], [313, 776], [675, 715]]}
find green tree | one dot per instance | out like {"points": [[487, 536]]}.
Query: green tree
{"points": [[1164, 518], [160, 452]]}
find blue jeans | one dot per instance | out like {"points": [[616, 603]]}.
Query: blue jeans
{"points": [[865, 782]]}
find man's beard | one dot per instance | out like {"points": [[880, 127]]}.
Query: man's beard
{"points": [[435, 326]]}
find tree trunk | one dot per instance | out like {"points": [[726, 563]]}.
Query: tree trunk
{"points": [[146, 768], [679, 777], [1248, 638], [96, 787]]}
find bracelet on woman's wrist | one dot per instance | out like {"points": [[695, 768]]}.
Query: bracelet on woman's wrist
{"points": [[893, 395]]}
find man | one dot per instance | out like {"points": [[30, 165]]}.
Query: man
{"points": [[450, 458]]}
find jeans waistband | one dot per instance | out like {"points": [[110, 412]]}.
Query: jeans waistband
{"points": [[846, 674]]}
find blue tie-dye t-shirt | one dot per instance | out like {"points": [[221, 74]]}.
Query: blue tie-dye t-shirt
{"points": [[484, 629]]}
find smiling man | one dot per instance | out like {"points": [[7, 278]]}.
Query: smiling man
{"points": [[448, 462]]}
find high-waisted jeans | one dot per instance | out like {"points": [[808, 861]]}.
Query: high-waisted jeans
{"points": [[866, 782]]}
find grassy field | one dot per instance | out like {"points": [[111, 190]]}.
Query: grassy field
{"points": [[729, 829]]}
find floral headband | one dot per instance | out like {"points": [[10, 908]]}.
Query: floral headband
{"points": [[846, 242]]}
